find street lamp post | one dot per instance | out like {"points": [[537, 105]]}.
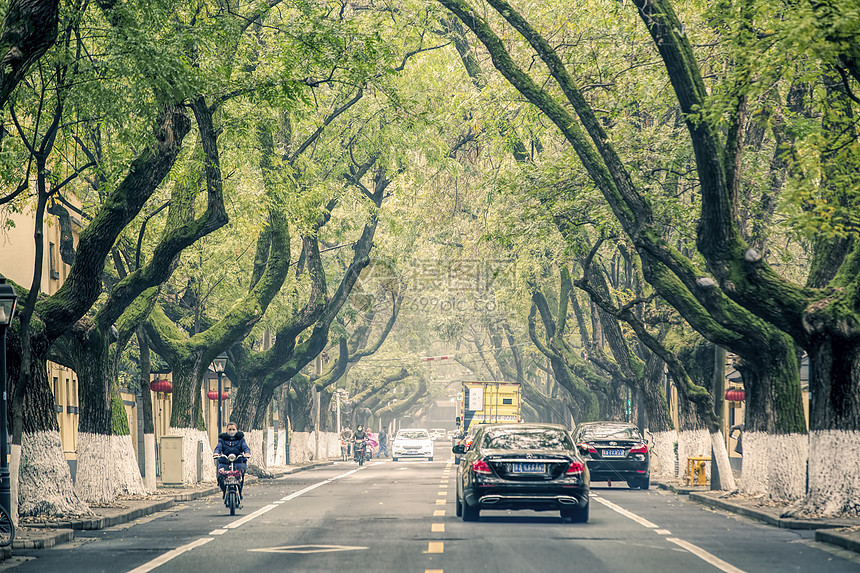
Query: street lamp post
{"points": [[8, 301], [218, 365]]}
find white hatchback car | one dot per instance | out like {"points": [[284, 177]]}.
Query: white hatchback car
{"points": [[412, 443]]}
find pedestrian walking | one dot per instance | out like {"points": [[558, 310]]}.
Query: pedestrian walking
{"points": [[371, 441], [383, 443], [346, 442], [739, 447]]}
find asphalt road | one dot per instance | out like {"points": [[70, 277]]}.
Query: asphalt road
{"points": [[399, 517]]}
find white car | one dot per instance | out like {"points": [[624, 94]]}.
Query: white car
{"points": [[437, 433], [412, 443]]}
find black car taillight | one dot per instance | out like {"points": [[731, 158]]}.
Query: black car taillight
{"points": [[481, 467], [640, 449], [575, 469]]}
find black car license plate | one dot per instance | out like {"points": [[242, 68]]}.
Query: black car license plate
{"points": [[612, 453], [527, 468]]}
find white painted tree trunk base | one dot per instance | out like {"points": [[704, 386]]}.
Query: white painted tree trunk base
{"points": [[720, 457], [149, 481], [662, 462], [254, 439], [107, 468], [774, 466], [191, 437], [282, 448], [692, 443], [270, 447], [44, 480], [834, 475], [302, 446]]}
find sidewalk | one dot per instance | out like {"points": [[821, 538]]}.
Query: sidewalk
{"points": [[38, 534], [835, 531]]}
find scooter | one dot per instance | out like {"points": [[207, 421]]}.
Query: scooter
{"points": [[361, 453], [232, 479]]}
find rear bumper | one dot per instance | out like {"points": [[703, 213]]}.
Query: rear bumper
{"points": [[602, 470], [555, 498]]}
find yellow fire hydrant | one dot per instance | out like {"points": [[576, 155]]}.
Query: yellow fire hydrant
{"points": [[696, 470]]}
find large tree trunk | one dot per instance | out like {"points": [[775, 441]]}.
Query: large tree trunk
{"points": [[834, 471], [29, 30], [300, 408], [244, 408], [107, 466], [39, 472], [662, 432], [774, 436], [187, 380]]}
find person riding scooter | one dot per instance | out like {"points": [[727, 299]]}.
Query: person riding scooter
{"points": [[231, 442], [360, 440]]}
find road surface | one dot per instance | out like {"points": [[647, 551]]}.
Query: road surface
{"points": [[399, 517]]}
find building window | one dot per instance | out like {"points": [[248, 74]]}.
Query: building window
{"points": [[53, 260]]}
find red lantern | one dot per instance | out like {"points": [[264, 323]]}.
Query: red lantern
{"points": [[213, 395], [735, 395], [161, 386]]}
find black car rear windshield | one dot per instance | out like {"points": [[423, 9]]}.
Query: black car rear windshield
{"points": [[609, 433], [526, 439]]}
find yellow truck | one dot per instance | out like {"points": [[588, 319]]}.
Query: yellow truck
{"points": [[488, 402]]}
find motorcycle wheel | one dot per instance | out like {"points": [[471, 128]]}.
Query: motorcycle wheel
{"points": [[232, 501]]}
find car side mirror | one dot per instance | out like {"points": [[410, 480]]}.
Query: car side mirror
{"points": [[459, 449]]}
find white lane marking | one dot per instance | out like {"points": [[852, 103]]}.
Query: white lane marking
{"points": [[242, 521], [705, 556], [308, 549], [312, 487], [694, 549], [617, 508], [662, 532], [218, 532], [162, 559]]}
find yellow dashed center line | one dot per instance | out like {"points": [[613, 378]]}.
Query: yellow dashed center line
{"points": [[439, 546]]}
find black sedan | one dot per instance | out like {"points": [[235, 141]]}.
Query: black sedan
{"points": [[614, 451], [522, 466]]}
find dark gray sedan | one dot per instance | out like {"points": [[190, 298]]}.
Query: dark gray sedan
{"points": [[614, 451], [522, 466]]}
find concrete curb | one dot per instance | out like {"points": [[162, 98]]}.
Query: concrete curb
{"points": [[43, 540], [850, 542], [64, 531], [766, 517], [677, 488]]}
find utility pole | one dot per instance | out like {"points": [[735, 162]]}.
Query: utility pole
{"points": [[719, 389], [337, 401], [318, 369]]}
